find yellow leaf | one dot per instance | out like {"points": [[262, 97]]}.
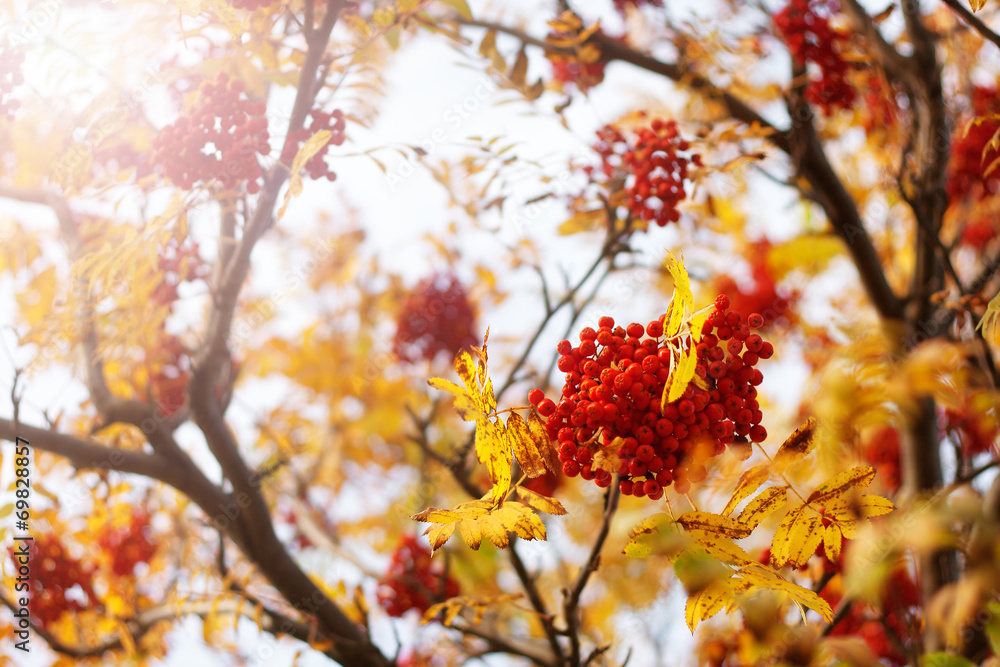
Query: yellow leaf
{"points": [[542, 443], [797, 593], [721, 548], [540, 502], [525, 451], [636, 546], [798, 444], [810, 252], [832, 542], [125, 635], [707, 602], [437, 516], [493, 449], [438, 534], [749, 482], [38, 299], [714, 523], [488, 49], [495, 531], [989, 321], [308, 150], [780, 542], [460, 6], [466, 405], [478, 603], [471, 533], [806, 534], [384, 17], [682, 303], [769, 500], [681, 376], [855, 478], [584, 221]]}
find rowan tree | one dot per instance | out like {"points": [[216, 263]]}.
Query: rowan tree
{"points": [[740, 392]]}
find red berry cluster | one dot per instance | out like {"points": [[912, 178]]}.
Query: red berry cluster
{"points": [[881, 450], [413, 581], [436, 317], [169, 381], [10, 77], [218, 140], [973, 424], [614, 381], [812, 40], [53, 572], [969, 157], [651, 166], [582, 75], [318, 120], [129, 545], [761, 295]]}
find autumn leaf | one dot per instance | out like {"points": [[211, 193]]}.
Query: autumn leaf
{"points": [[493, 449], [749, 482], [480, 518], [781, 543], [680, 377], [976, 5], [832, 542], [805, 536], [769, 500], [542, 443], [525, 447], [295, 183], [714, 523], [798, 444], [708, 602], [855, 478], [682, 304], [452, 607], [540, 502], [760, 578], [719, 547]]}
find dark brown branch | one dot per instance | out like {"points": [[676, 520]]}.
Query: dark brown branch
{"points": [[498, 644], [571, 605], [974, 21]]}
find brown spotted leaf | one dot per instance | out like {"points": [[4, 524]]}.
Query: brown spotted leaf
{"points": [[770, 499], [525, 450], [780, 545], [806, 534], [749, 482], [798, 444], [540, 502], [855, 478], [550, 456], [714, 523]]}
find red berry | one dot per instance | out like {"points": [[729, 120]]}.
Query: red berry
{"points": [[535, 396]]}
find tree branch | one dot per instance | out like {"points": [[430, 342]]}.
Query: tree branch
{"points": [[974, 21]]}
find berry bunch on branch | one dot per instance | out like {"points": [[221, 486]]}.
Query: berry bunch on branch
{"points": [[584, 67], [646, 172], [413, 580], [436, 317], [54, 575], [316, 167], [218, 141], [652, 402], [128, 545]]}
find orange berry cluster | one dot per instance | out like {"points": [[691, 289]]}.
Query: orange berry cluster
{"points": [[614, 382], [129, 545], [436, 317], [413, 581], [812, 40], [10, 77], [652, 167], [53, 573], [219, 140], [583, 75], [318, 120]]}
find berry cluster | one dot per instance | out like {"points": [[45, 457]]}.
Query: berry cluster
{"points": [[436, 317], [812, 40], [53, 574], [218, 140], [578, 73], [128, 545], [881, 450], [317, 167], [169, 379], [413, 581], [650, 166], [967, 165], [974, 424], [10, 76], [762, 295], [614, 381]]}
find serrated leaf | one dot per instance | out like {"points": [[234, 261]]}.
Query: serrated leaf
{"points": [[495, 531], [682, 304], [780, 543], [519, 70], [769, 500], [545, 447], [749, 482], [806, 534], [466, 404], [681, 376], [523, 444], [721, 548], [855, 478], [540, 502], [707, 602], [798, 444], [636, 546], [295, 183], [832, 543], [583, 221], [493, 450], [433, 515], [452, 607], [471, 533], [713, 523], [863, 507], [801, 595], [438, 534]]}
